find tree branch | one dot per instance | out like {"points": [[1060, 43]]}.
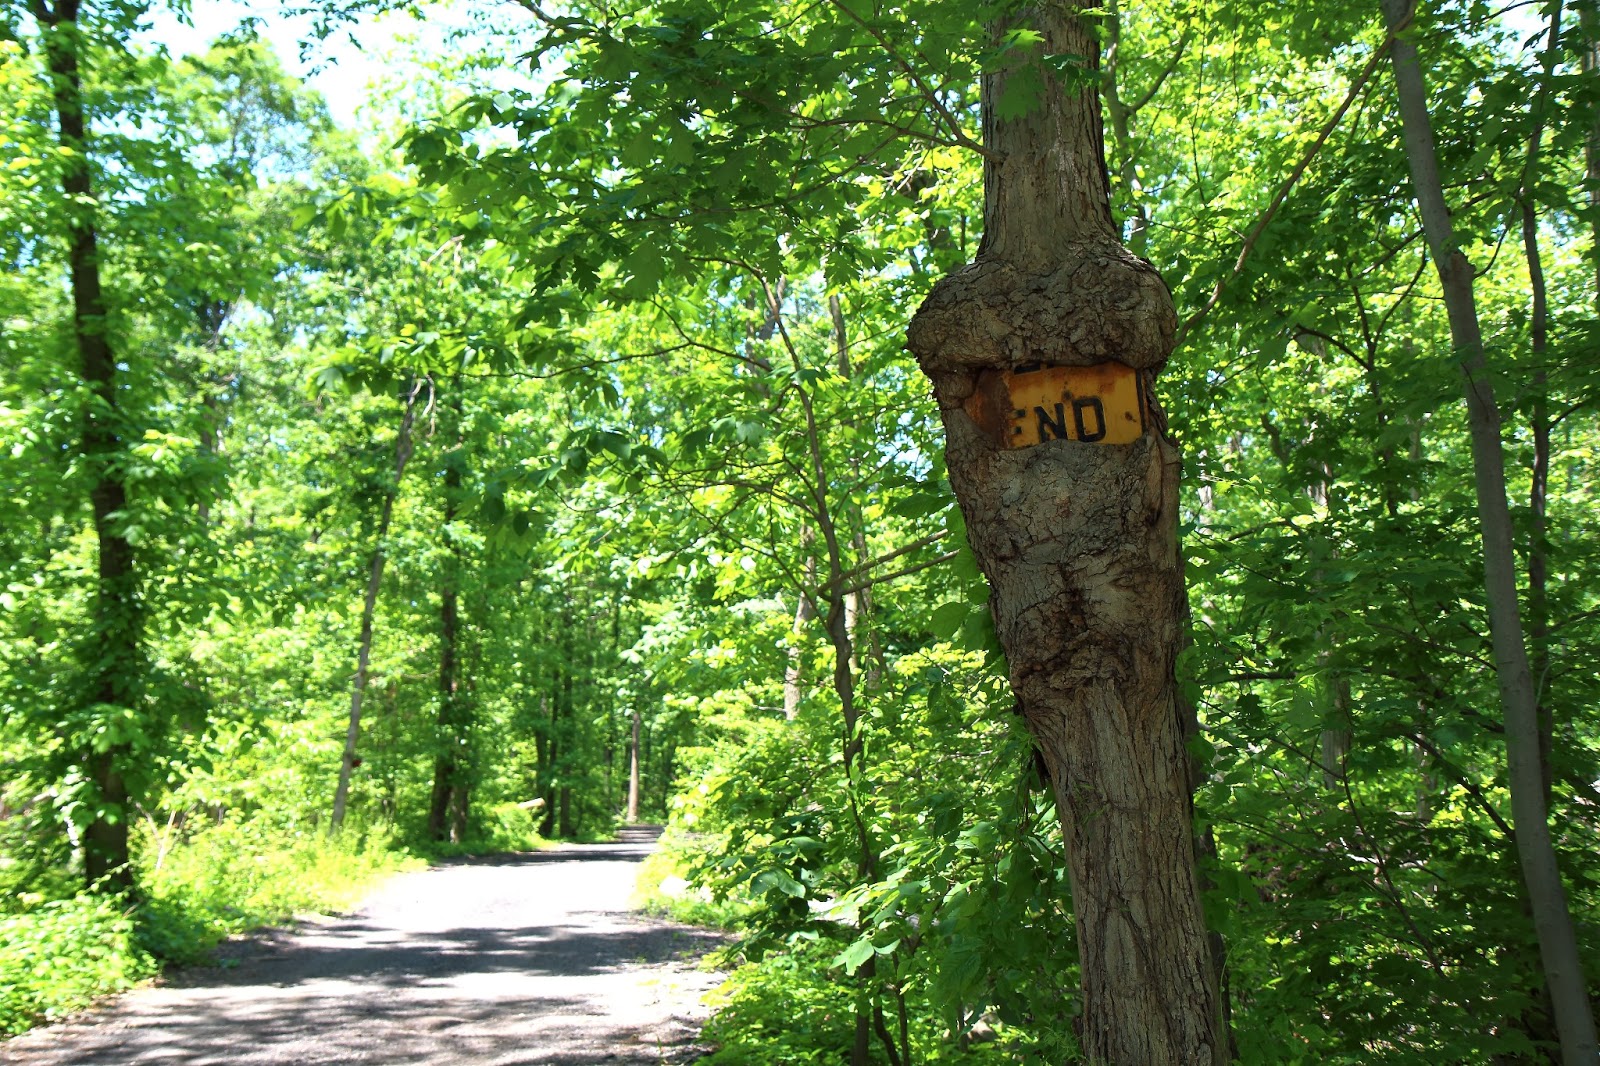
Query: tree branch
{"points": [[1288, 186], [928, 94]]}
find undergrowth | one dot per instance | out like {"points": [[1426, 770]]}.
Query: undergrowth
{"points": [[663, 887], [241, 874], [497, 830], [59, 954]]}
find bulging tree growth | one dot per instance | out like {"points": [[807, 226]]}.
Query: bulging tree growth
{"points": [[1076, 527]]}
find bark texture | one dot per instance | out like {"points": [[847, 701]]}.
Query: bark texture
{"points": [[1079, 542], [116, 647], [449, 803], [633, 771]]}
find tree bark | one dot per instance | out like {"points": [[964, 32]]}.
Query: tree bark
{"points": [[1547, 896], [116, 647], [447, 809], [1079, 543], [633, 771], [1589, 63], [1538, 502], [446, 767], [369, 607], [1539, 417], [804, 612]]}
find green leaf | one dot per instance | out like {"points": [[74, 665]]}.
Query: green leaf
{"points": [[854, 956], [947, 619]]}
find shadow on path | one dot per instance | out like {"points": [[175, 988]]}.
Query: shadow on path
{"points": [[508, 960]]}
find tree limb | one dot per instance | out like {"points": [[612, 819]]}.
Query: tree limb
{"points": [[1288, 185]]}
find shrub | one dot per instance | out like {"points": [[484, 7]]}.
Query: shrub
{"points": [[57, 956], [241, 874]]}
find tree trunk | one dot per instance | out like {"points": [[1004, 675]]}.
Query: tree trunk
{"points": [[447, 807], [550, 750], [1547, 896], [369, 606], [116, 647], [562, 756], [633, 771], [1589, 63], [1079, 543], [1538, 502], [858, 605], [446, 767], [1539, 417], [804, 612], [837, 625]]}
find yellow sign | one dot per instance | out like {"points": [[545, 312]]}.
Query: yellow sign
{"points": [[1101, 404]]}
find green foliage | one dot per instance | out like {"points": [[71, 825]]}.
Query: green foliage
{"points": [[663, 887], [648, 276], [229, 877], [502, 828], [784, 1009], [57, 956]]}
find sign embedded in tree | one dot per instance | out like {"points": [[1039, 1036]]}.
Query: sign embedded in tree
{"points": [[1033, 403]]}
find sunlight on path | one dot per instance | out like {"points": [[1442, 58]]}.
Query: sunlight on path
{"points": [[523, 959]]}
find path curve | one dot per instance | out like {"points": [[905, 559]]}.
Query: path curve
{"points": [[516, 960]]}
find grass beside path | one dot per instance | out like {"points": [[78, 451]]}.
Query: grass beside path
{"points": [[58, 955]]}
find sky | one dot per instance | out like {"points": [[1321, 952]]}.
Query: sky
{"points": [[351, 66], [344, 68]]}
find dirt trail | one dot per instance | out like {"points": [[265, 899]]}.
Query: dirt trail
{"points": [[520, 959]]}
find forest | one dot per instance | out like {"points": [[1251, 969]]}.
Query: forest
{"points": [[545, 452]]}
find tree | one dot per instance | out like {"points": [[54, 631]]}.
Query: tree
{"points": [[349, 760], [1558, 944], [115, 650], [689, 152], [1079, 539]]}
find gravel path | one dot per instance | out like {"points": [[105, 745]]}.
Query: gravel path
{"points": [[525, 959]]}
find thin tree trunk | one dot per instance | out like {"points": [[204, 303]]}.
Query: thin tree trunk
{"points": [[805, 610], [1547, 896], [444, 760], [613, 655], [369, 607], [1079, 542], [633, 771], [1589, 63], [551, 751], [564, 762], [794, 669], [837, 625], [1538, 502], [446, 809], [116, 647], [1539, 416], [858, 607]]}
